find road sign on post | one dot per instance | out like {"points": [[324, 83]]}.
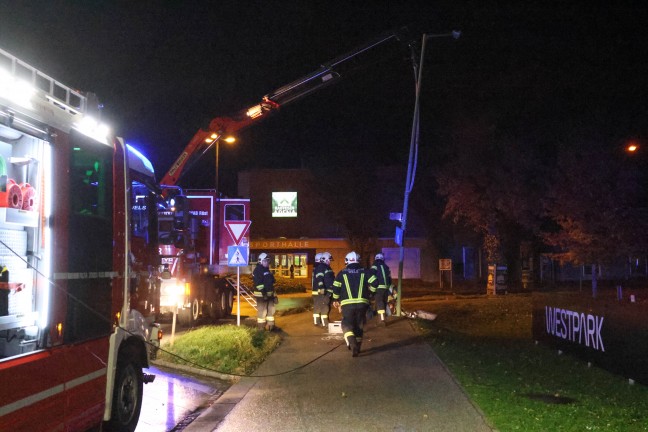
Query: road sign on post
{"points": [[237, 256], [237, 229]]}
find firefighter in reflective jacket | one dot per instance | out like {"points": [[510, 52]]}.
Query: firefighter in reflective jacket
{"points": [[323, 278], [352, 290], [264, 293], [381, 283]]}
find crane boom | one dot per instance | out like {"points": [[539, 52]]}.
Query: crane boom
{"points": [[327, 74]]}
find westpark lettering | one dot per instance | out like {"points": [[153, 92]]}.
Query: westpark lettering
{"points": [[576, 327]]}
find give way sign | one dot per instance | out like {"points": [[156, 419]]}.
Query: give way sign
{"points": [[237, 229]]}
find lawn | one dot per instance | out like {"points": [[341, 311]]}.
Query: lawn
{"points": [[486, 343]]}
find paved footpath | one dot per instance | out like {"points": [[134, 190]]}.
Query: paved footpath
{"points": [[311, 383]]}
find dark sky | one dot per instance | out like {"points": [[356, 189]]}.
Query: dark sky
{"points": [[534, 70]]}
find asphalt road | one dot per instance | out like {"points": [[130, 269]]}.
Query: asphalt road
{"points": [[177, 397]]}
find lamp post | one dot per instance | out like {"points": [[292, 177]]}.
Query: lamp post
{"points": [[229, 140], [413, 157]]}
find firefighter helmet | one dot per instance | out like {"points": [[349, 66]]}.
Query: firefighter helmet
{"points": [[380, 256], [326, 258], [318, 257], [263, 257], [351, 257]]}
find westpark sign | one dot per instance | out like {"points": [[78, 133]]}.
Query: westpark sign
{"points": [[606, 331]]}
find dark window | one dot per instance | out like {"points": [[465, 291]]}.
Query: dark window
{"points": [[234, 212], [90, 256]]}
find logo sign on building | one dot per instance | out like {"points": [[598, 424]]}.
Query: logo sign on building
{"points": [[237, 229], [284, 204], [237, 256]]}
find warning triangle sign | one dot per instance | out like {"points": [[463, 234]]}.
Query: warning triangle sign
{"points": [[237, 229]]}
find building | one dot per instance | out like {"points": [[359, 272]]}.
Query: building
{"points": [[292, 220]]}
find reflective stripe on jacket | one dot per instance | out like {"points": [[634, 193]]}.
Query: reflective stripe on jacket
{"points": [[352, 286]]}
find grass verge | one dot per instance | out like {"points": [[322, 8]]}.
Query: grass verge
{"points": [[227, 349], [520, 386]]}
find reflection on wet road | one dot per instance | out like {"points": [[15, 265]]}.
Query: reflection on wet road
{"points": [[175, 399]]}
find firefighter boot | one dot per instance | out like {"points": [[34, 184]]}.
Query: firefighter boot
{"points": [[350, 340], [316, 320], [261, 325], [324, 321], [269, 326], [382, 322], [355, 347]]}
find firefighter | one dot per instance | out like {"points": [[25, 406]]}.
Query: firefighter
{"points": [[264, 293], [314, 291], [382, 283], [323, 278], [352, 289]]}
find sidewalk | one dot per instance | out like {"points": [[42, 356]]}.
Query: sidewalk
{"points": [[311, 383]]}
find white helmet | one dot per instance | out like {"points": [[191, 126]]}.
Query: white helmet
{"points": [[351, 257], [326, 257], [318, 257], [380, 256], [263, 257]]}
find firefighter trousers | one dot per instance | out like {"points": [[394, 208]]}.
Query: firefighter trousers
{"points": [[353, 321], [381, 302], [321, 309], [265, 313]]}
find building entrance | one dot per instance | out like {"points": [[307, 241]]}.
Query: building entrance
{"points": [[291, 265]]}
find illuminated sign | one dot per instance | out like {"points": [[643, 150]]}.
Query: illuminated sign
{"points": [[284, 204]]}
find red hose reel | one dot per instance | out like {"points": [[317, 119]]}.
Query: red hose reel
{"points": [[18, 196]]}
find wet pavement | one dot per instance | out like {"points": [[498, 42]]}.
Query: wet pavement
{"points": [[175, 399], [178, 397]]}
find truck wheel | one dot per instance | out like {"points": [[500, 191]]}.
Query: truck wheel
{"points": [[127, 397], [195, 310], [185, 317], [230, 302], [222, 303]]}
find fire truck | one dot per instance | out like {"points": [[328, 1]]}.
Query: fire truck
{"points": [[193, 242], [78, 261], [195, 278]]}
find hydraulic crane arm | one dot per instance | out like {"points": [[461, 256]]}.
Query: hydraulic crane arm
{"points": [[327, 74]]}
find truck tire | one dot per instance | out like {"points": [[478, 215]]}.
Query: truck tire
{"points": [[188, 317], [222, 303], [127, 397], [230, 302]]}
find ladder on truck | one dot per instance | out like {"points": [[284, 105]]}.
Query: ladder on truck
{"points": [[244, 292]]}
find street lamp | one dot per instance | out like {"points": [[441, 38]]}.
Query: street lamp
{"points": [[413, 156], [230, 140]]}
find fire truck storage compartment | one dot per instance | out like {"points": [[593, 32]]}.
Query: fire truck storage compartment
{"points": [[18, 341], [20, 179]]}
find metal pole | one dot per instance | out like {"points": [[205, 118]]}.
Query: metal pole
{"points": [[411, 165], [238, 296], [410, 176], [217, 150]]}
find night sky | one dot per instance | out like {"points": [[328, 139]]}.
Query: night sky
{"points": [[537, 72]]}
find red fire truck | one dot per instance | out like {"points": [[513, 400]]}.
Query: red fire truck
{"points": [[193, 238], [193, 243], [78, 261]]}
